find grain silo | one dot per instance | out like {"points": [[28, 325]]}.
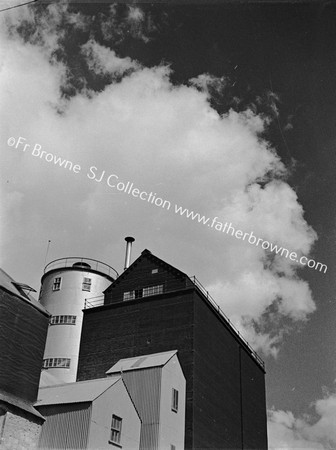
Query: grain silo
{"points": [[65, 286]]}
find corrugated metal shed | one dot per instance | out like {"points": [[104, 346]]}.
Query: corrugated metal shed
{"points": [[142, 362], [83, 391]]}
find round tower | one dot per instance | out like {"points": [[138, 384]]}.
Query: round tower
{"points": [[65, 285]]}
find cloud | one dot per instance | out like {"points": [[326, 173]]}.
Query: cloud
{"points": [[103, 61], [163, 137], [287, 432]]}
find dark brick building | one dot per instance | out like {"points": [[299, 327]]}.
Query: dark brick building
{"points": [[153, 307], [23, 331]]}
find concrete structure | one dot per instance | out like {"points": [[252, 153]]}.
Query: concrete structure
{"points": [[23, 331], [153, 307], [157, 387], [65, 285], [97, 414]]}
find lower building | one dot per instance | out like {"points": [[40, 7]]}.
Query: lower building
{"points": [[139, 405], [156, 385], [96, 414]]}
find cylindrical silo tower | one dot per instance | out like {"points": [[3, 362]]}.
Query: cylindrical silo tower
{"points": [[65, 285]]}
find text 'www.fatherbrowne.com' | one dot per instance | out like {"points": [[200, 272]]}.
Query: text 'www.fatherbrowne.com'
{"points": [[250, 238]]}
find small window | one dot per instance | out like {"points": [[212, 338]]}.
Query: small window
{"points": [[155, 271], [63, 320], [116, 429], [86, 286], [129, 295], [57, 284], [56, 363], [172, 447], [174, 400]]}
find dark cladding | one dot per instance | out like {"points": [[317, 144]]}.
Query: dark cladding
{"points": [[226, 405]]}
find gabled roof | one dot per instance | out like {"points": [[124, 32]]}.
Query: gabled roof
{"points": [[146, 254], [82, 391], [142, 362], [10, 285]]}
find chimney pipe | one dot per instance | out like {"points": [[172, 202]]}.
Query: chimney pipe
{"points": [[129, 241]]}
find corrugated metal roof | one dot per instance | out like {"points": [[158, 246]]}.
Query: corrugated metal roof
{"points": [[142, 362], [8, 283], [82, 391]]}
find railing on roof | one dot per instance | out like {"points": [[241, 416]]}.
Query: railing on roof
{"points": [[94, 302], [90, 264], [218, 308]]}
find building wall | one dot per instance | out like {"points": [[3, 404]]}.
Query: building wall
{"points": [[172, 424], [19, 430], [209, 354], [140, 327], [23, 331], [229, 388], [144, 387], [217, 408], [114, 401], [66, 426], [253, 405], [63, 339]]}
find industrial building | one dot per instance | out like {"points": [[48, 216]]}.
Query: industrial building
{"points": [[23, 328], [97, 414], [101, 320], [139, 405], [153, 307]]}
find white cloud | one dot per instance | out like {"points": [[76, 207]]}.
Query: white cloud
{"points": [[166, 139], [287, 432], [102, 60]]}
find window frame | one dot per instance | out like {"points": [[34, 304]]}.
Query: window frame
{"points": [[86, 284], [115, 432], [56, 363], [56, 286], [152, 290], [64, 319], [175, 398]]}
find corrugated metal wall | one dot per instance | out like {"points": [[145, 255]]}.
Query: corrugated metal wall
{"points": [[144, 386], [66, 426]]}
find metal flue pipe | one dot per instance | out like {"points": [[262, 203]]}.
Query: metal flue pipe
{"points": [[129, 241]]}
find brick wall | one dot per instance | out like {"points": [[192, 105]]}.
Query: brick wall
{"points": [[19, 430]]}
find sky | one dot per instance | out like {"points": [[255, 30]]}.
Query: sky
{"points": [[223, 109]]}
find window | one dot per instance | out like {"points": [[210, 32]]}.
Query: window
{"points": [[129, 295], [56, 363], [115, 429], [57, 284], [153, 290], [63, 320], [155, 271], [145, 292], [174, 400], [86, 286], [172, 447]]}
